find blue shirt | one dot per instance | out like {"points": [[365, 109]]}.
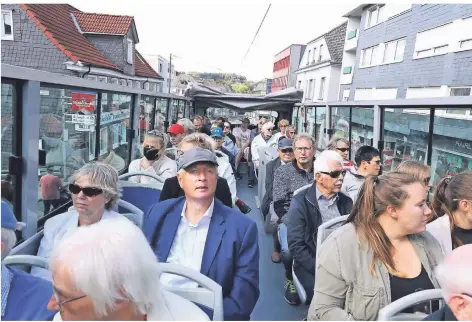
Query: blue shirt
{"points": [[26, 297]]}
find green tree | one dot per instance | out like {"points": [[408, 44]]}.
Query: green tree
{"points": [[240, 88]]}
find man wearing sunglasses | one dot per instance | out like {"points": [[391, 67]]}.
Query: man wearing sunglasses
{"points": [[310, 208], [454, 276], [368, 164]]}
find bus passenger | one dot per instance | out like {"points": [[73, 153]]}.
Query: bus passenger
{"points": [[368, 164], [312, 207], [107, 271], [341, 146], [154, 160], [265, 139], [417, 170], [456, 283], [24, 297], [380, 255], [176, 133], [188, 126], [452, 201], [172, 189], [243, 142], [94, 190], [201, 233]]}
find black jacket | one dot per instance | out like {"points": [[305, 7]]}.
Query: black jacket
{"points": [[303, 220], [443, 314], [172, 190], [269, 184]]}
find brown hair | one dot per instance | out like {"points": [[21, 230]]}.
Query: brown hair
{"points": [[375, 195], [415, 169], [444, 200]]}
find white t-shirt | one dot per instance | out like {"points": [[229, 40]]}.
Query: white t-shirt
{"points": [[244, 136]]}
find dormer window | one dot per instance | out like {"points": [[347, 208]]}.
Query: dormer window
{"points": [[7, 25], [130, 51]]}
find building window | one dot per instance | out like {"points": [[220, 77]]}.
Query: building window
{"points": [[160, 67], [461, 91], [130, 83], [308, 58], [369, 56], [123, 82], [114, 81], [346, 95], [129, 58], [434, 41], [146, 86], [322, 85], [137, 84], [102, 79], [314, 55], [374, 16], [320, 57], [299, 84], [91, 77], [394, 51], [7, 25]]}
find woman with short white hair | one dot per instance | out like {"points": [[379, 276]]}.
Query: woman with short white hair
{"points": [[154, 160], [94, 190], [108, 271]]}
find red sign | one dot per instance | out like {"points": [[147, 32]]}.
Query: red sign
{"points": [[84, 102]]}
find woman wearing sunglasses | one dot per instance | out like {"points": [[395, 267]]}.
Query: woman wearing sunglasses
{"points": [[154, 160], [341, 146], [452, 202], [94, 190], [380, 255]]}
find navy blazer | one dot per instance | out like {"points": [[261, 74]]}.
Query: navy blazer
{"points": [[230, 257]]}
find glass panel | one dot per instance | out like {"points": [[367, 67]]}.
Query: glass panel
{"points": [[146, 106], [389, 51], [405, 136], [8, 102], [174, 110], [400, 49], [160, 117], [294, 115], [181, 109], [452, 146], [362, 132], [114, 120], [66, 128]]}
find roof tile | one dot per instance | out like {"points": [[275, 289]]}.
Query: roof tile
{"points": [[142, 68], [105, 24]]}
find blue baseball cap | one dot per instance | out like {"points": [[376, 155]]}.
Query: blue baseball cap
{"points": [[217, 132], [8, 218]]}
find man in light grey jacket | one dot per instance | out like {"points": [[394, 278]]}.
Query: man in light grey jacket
{"points": [[368, 163]]}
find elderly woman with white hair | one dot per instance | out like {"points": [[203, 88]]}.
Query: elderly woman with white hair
{"points": [[108, 271], [94, 190], [154, 160], [265, 139], [312, 207]]}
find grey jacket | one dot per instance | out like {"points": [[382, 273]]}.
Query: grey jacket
{"points": [[344, 286], [352, 184]]}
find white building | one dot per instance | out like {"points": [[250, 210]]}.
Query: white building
{"points": [[161, 65], [320, 67]]}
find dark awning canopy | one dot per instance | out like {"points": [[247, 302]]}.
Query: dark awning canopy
{"points": [[204, 96]]}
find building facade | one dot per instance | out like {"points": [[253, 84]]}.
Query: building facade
{"points": [[285, 64], [162, 66], [61, 39], [319, 69]]}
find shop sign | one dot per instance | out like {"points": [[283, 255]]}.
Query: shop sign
{"points": [[83, 102], [80, 119], [114, 116]]}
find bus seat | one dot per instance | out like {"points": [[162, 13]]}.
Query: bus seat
{"points": [[142, 195], [209, 294], [299, 287], [301, 189], [325, 229], [30, 246], [392, 311], [266, 154], [24, 261], [182, 309], [130, 211]]}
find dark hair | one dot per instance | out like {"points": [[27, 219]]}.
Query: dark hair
{"points": [[365, 153], [444, 200], [375, 195], [7, 191]]}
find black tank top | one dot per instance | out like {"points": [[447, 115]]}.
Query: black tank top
{"points": [[464, 235], [401, 287]]}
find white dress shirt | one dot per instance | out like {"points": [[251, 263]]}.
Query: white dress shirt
{"points": [[187, 248]]}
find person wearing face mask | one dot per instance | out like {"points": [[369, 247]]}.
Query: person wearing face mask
{"points": [[154, 160], [381, 254]]}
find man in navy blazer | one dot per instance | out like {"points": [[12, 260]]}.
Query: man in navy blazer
{"points": [[201, 233]]}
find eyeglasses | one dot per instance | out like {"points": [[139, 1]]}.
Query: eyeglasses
{"points": [[292, 133], [334, 174], [88, 191], [343, 149], [427, 180], [302, 148], [61, 303], [227, 127], [287, 150]]}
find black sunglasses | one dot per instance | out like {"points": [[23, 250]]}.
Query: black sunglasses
{"points": [[342, 149], [427, 180], [335, 174], [88, 191], [287, 150]]}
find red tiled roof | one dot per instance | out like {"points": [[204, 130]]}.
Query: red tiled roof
{"points": [[56, 22], [105, 24], [142, 68]]}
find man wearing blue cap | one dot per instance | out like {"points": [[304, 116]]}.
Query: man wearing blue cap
{"points": [[199, 232], [24, 297]]}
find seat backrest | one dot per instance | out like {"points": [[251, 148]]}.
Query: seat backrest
{"points": [[30, 246], [182, 309], [324, 230], [128, 175], [141, 195], [266, 154], [392, 311], [26, 260], [210, 294], [302, 188]]}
